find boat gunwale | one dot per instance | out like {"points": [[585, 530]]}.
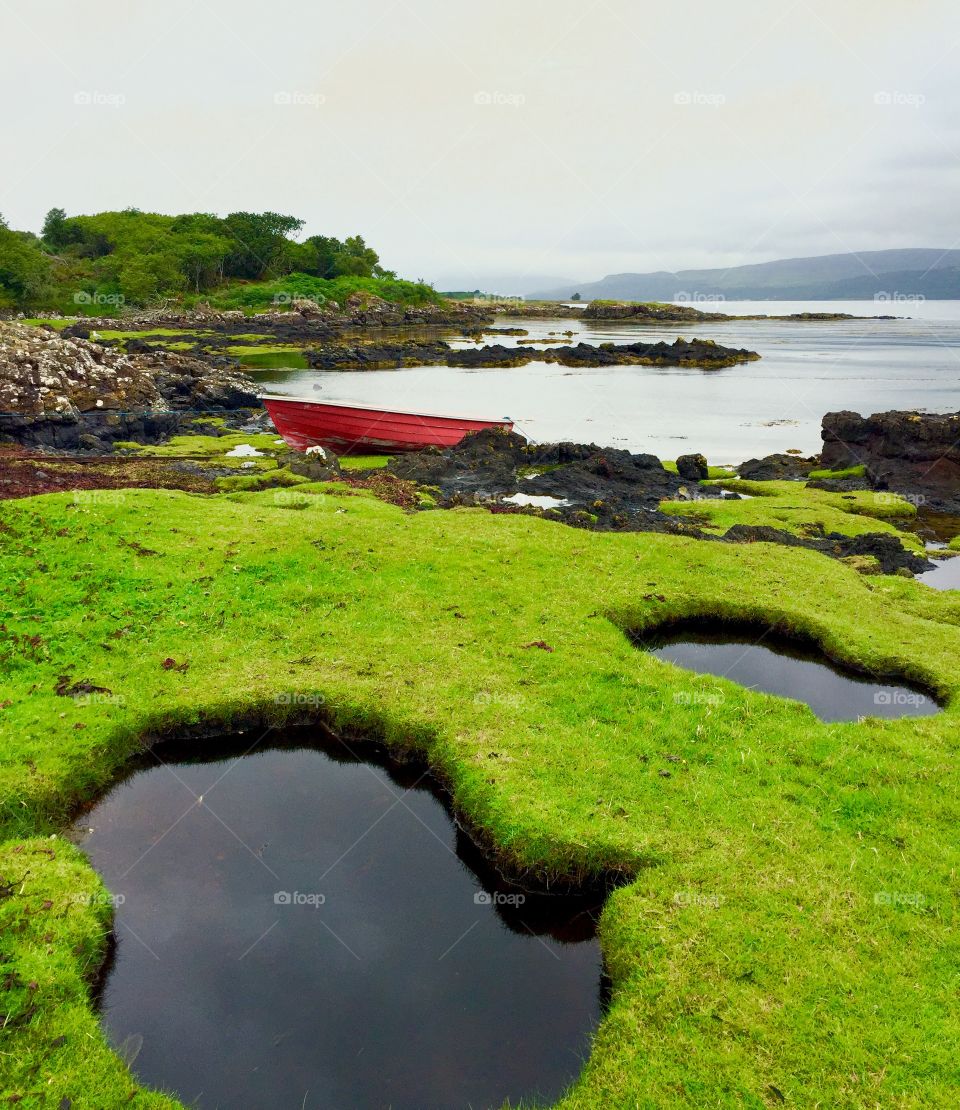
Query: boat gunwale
{"points": [[503, 420]]}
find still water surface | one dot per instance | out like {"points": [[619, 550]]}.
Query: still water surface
{"points": [[807, 369], [301, 928]]}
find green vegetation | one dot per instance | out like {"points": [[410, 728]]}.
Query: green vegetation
{"points": [[364, 462], [849, 472], [279, 292], [96, 265], [801, 510], [789, 933]]}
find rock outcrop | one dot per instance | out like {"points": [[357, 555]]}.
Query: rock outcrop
{"points": [[701, 353], [70, 393], [911, 453]]}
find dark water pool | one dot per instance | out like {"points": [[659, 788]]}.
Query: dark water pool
{"points": [[301, 928], [760, 661]]}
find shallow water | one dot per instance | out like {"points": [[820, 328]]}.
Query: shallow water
{"points": [[774, 667], [807, 369], [945, 576], [300, 928]]}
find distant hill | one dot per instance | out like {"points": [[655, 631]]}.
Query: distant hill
{"points": [[917, 271]]}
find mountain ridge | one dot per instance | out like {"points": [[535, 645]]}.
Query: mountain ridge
{"points": [[900, 272]]}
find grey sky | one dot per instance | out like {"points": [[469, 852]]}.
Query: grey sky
{"points": [[499, 144]]}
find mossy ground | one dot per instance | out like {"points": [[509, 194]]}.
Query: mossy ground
{"points": [[802, 510], [789, 935]]}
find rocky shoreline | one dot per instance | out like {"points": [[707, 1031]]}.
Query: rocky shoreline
{"points": [[70, 394], [605, 489]]}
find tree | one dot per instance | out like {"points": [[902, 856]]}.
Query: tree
{"points": [[24, 268], [575, 297], [54, 227], [258, 240]]}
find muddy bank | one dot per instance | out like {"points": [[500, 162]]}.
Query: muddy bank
{"points": [[701, 353], [71, 394], [911, 453]]}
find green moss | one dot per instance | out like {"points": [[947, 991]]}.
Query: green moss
{"points": [[801, 510], [849, 472], [267, 479], [364, 462], [791, 918]]}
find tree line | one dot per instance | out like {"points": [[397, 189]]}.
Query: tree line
{"points": [[138, 257]]}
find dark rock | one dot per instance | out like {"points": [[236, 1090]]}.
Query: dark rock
{"points": [[692, 467], [887, 549], [605, 487], [703, 353], [774, 467], [914, 454], [316, 464]]}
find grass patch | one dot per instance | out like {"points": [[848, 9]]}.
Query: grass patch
{"points": [[790, 930], [801, 510], [849, 472], [364, 462]]}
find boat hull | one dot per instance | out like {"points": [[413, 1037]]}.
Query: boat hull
{"points": [[349, 429]]}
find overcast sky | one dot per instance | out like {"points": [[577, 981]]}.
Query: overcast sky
{"points": [[503, 143]]}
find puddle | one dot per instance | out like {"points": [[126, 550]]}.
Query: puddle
{"points": [[945, 575], [541, 502], [316, 932], [775, 666], [242, 451]]}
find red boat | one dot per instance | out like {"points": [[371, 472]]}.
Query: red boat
{"points": [[352, 429]]}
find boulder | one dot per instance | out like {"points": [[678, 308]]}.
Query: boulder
{"points": [[914, 454], [692, 467]]}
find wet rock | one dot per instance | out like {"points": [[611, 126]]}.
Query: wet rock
{"points": [[692, 467], [775, 467], [914, 454], [602, 487]]}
